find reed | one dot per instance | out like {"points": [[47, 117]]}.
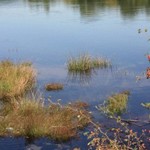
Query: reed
{"points": [[85, 63]]}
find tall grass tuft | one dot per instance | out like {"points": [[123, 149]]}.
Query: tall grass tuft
{"points": [[15, 79], [85, 63], [31, 119], [116, 104]]}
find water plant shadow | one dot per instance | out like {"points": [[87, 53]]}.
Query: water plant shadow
{"points": [[81, 78]]}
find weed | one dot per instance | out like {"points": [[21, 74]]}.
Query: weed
{"points": [[120, 138]]}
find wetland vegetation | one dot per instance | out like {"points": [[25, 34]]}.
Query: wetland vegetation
{"points": [[46, 32], [24, 116], [86, 63], [30, 117], [116, 104]]}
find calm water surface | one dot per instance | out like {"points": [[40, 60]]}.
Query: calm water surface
{"points": [[48, 32]]}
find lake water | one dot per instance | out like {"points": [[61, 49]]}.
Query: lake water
{"points": [[48, 32]]}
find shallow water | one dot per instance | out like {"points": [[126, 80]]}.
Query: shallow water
{"points": [[48, 32]]}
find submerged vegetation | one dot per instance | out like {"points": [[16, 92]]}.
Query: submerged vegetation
{"points": [[31, 119], [54, 86], [116, 104], [15, 79], [85, 63]]}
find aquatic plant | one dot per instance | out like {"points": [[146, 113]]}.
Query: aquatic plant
{"points": [[15, 79], [146, 105], [115, 104], [54, 86], [85, 63], [100, 63], [30, 118]]}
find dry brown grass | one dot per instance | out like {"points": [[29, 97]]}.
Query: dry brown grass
{"points": [[30, 118], [15, 79], [54, 87]]}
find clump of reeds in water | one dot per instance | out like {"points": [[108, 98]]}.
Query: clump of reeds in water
{"points": [[15, 79], [30, 118], [85, 63], [54, 86], [116, 104]]}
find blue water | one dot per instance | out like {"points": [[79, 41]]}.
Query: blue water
{"points": [[48, 32]]}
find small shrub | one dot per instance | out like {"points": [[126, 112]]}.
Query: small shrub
{"points": [[54, 86], [15, 79], [120, 138]]}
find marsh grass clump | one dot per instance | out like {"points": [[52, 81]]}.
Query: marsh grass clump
{"points": [[85, 63], [54, 87], [15, 79], [116, 104], [31, 119]]}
